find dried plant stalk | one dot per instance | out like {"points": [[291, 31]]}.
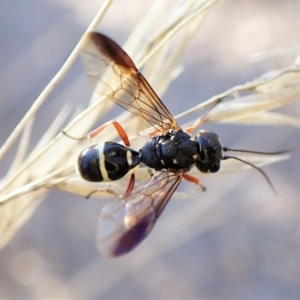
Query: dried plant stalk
{"points": [[24, 187]]}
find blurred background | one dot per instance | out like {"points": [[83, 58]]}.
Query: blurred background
{"points": [[235, 241]]}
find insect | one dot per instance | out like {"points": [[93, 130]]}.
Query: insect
{"points": [[171, 153]]}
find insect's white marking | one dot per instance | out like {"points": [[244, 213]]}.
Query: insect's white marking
{"points": [[129, 157], [102, 161], [195, 156], [162, 162], [76, 168], [172, 137], [175, 161]]}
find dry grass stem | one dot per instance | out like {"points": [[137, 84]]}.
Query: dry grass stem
{"points": [[33, 174]]}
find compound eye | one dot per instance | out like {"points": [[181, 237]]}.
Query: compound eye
{"points": [[202, 167], [214, 168], [210, 152]]}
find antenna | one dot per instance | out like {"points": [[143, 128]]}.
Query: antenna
{"points": [[225, 149]]}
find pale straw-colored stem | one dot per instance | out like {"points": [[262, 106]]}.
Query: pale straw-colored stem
{"points": [[53, 83]]}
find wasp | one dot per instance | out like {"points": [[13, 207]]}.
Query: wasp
{"points": [[172, 152]]}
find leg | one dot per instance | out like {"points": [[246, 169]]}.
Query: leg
{"points": [[150, 134], [114, 193], [195, 180], [96, 131], [202, 118], [130, 186]]}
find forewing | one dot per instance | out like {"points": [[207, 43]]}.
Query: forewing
{"points": [[123, 225], [113, 74]]}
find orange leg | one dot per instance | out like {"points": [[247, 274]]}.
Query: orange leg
{"points": [[195, 180], [154, 133], [114, 193], [96, 131], [150, 134], [202, 118], [130, 186]]}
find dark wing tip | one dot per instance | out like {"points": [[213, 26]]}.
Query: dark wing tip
{"points": [[132, 237], [111, 49]]}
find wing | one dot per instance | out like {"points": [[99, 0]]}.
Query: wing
{"points": [[123, 225], [112, 73]]}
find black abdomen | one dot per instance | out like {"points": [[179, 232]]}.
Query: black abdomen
{"points": [[106, 161]]}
